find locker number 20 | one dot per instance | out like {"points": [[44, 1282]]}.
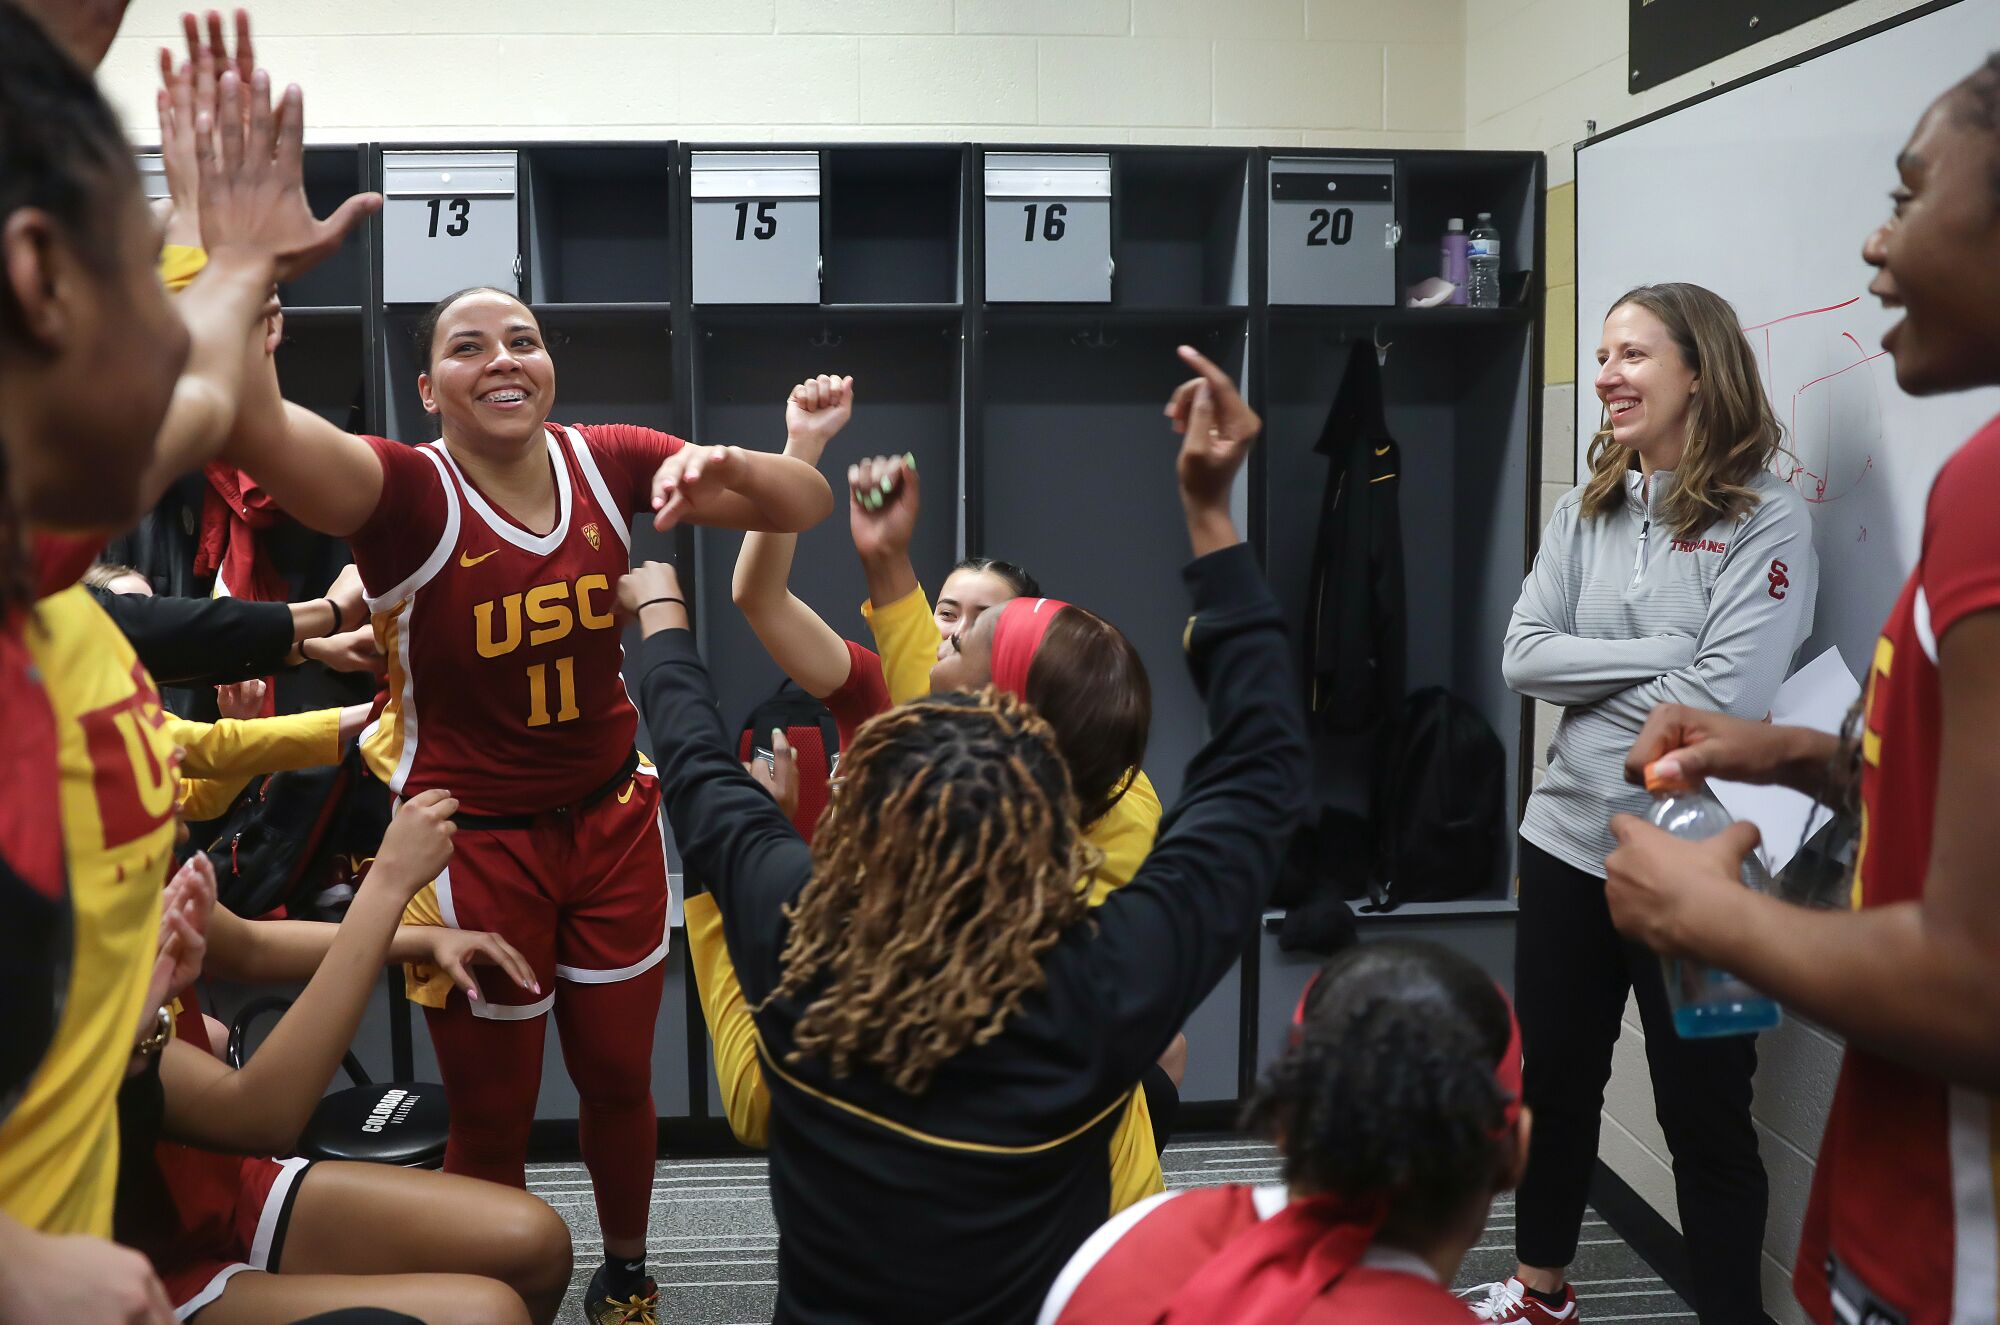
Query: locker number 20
{"points": [[1335, 227]]}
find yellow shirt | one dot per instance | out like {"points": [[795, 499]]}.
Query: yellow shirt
{"points": [[59, 1148], [230, 752], [907, 637]]}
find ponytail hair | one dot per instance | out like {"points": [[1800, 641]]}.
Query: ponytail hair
{"points": [[1388, 1092]]}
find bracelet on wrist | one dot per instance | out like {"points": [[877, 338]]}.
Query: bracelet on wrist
{"points": [[664, 598], [163, 1030]]}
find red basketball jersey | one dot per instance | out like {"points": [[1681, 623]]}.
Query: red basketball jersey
{"points": [[503, 645], [1131, 1269], [1903, 1201]]}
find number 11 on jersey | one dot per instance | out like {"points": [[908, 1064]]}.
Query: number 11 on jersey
{"points": [[538, 693]]}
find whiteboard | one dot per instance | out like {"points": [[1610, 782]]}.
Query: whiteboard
{"points": [[1764, 194]]}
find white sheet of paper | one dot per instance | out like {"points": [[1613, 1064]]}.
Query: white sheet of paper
{"points": [[1818, 695]]}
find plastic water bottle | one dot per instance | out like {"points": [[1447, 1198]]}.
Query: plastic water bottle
{"points": [[1705, 1002], [1451, 259], [1482, 257]]}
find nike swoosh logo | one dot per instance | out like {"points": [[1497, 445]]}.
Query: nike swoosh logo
{"points": [[626, 794], [1381, 450], [469, 562]]}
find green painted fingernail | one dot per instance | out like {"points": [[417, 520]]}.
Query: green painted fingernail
{"points": [[910, 459]]}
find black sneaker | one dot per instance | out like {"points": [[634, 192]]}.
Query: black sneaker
{"points": [[641, 1307]]}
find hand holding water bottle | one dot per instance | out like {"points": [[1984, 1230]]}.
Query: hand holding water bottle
{"points": [[1671, 881]]}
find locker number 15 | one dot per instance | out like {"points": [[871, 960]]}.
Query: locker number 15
{"points": [[767, 220]]}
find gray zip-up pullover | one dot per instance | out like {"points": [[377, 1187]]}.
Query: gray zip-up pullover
{"points": [[1619, 615]]}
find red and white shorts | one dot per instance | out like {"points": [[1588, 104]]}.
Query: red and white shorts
{"points": [[247, 1235], [582, 893]]}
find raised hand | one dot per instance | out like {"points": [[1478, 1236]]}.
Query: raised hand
{"points": [[208, 60], [174, 103], [1217, 428], [883, 497], [815, 412], [250, 161], [187, 92]]}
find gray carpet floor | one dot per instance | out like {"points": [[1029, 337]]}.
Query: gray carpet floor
{"points": [[713, 1247]]}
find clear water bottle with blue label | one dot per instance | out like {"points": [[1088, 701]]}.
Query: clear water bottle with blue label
{"points": [[1705, 1001], [1482, 260]]}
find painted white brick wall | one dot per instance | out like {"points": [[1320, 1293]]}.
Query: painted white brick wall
{"points": [[1535, 71], [1276, 73]]}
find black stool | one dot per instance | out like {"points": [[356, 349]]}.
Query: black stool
{"points": [[398, 1122]]}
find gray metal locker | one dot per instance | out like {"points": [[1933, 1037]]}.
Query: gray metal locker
{"points": [[450, 220], [1048, 227], [1333, 231], [756, 227]]}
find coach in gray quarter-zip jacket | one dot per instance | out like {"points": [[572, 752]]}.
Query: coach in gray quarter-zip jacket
{"points": [[1683, 571], [1619, 614]]}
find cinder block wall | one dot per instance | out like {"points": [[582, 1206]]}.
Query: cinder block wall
{"points": [[1281, 73], [1535, 72]]}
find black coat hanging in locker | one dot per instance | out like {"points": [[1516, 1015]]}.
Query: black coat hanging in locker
{"points": [[1355, 646]]}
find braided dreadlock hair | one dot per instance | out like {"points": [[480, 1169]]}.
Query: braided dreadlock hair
{"points": [[945, 865]]}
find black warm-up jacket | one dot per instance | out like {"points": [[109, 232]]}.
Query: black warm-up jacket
{"points": [[962, 1203]]}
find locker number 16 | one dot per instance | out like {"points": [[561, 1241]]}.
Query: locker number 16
{"points": [[1054, 227]]}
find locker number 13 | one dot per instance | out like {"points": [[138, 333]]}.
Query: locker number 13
{"points": [[460, 210]]}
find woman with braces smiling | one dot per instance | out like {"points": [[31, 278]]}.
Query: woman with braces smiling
{"points": [[491, 560]]}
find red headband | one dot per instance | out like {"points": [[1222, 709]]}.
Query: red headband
{"points": [[1017, 635]]}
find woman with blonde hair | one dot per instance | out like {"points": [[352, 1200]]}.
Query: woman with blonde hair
{"points": [[1681, 571]]}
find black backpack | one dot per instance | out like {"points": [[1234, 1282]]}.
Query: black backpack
{"points": [[1441, 804], [300, 840], [815, 739]]}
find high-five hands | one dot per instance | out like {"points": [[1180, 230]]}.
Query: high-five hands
{"points": [[248, 160]]}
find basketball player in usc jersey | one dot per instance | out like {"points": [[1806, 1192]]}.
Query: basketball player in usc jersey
{"points": [[491, 560], [1901, 1227]]}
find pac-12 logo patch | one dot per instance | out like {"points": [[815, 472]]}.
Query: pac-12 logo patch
{"points": [[590, 535], [1779, 580]]}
